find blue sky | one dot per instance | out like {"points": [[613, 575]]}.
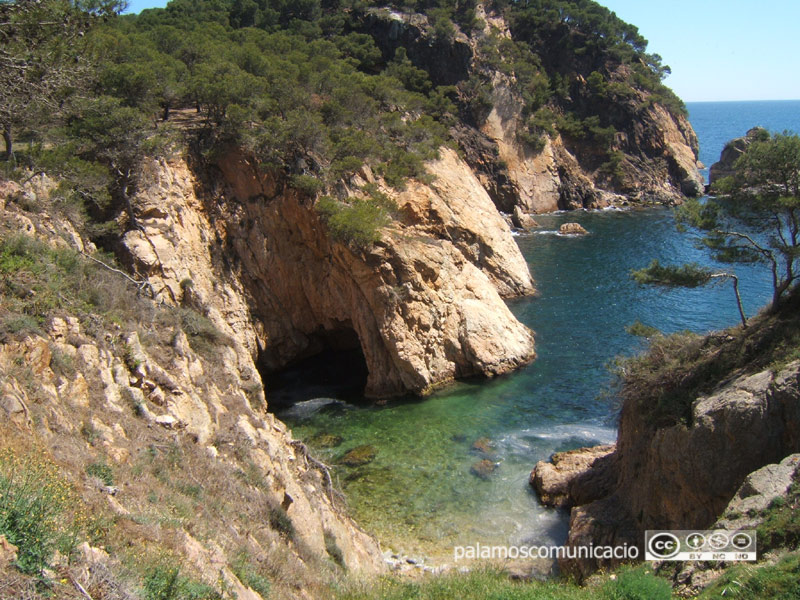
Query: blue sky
{"points": [[718, 49]]}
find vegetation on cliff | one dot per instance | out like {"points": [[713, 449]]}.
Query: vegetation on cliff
{"points": [[306, 88], [665, 380]]}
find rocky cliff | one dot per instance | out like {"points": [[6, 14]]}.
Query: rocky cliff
{"points": [[725, 166], [682, 475], [170, 411], [652, 153], [424, 305]]}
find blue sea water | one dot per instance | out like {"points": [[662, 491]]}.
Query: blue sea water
{"points": [[718, 122], [418, 495]]}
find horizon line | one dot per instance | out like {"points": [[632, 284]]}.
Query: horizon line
{"points": [[743, 100]]}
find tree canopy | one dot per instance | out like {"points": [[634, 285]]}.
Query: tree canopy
{"points": [[755, 217], [42, 55]]}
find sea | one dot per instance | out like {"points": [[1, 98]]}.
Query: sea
{"points": [[418, 495]]}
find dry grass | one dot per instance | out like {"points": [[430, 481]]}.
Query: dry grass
{"points": [[676, 369]]}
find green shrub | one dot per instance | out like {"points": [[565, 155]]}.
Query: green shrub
{"points": [[333, 549], [35, 503], [244, 568], [356, 222], [20, 325], [102, 471], [280, 522], [308, 184], [637, 583], [203, 335], [163, 581]]}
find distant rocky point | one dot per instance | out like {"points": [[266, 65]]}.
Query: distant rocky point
{"points": [[731, 153]]}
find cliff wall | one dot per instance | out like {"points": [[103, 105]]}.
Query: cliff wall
{"points": [[424, 304], [664, 474], [651, 158], [194, 471]]}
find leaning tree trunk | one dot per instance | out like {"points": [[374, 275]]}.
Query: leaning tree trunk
{"points": [[8, 141]]}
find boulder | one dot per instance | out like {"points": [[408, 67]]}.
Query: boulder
{"points": [[523, 220], [572, 229], [483, 469], [574, 477]]}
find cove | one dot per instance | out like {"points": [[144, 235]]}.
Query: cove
{"points": [[418, 494]]}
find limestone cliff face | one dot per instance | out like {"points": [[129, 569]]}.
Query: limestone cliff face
{"points": [[424, 305]]}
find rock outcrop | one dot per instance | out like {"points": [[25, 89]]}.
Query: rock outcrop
{"points": [[761, 490], [88, 393], [731, 153], [575, 477], [424, 305], [652, 158], [678, 477], [572, 229]]}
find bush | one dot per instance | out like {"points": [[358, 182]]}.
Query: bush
{"points": [[280, 522], [357, 222], [35, 503], [243, 567], [163, 581], [333, 549], [102, 471], [637, 583]]}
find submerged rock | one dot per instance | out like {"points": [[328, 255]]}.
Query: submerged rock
{"points": [[360, 455], [483, 468], [326, 440], [483, 445]]}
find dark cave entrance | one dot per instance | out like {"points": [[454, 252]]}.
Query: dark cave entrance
{"points": [[333, 367]]}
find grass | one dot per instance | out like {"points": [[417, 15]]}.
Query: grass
{"points": [[38, 511], [779, 581], [781, 525], [249, 573], [102, 471], [164, 581], [637, 583]]}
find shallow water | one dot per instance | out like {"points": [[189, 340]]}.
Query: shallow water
{"points": [[418, 494]]}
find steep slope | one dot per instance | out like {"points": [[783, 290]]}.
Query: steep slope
{"points": [[169, 412], [569, 129], [156, 421]]}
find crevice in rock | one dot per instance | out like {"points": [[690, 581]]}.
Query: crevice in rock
{"points": [[333, 366]]}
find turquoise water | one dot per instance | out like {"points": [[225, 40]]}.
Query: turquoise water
{"points": [[418, 494]]}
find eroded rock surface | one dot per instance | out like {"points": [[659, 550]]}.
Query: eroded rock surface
{"points": [[682, 477], [424, 305]]}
